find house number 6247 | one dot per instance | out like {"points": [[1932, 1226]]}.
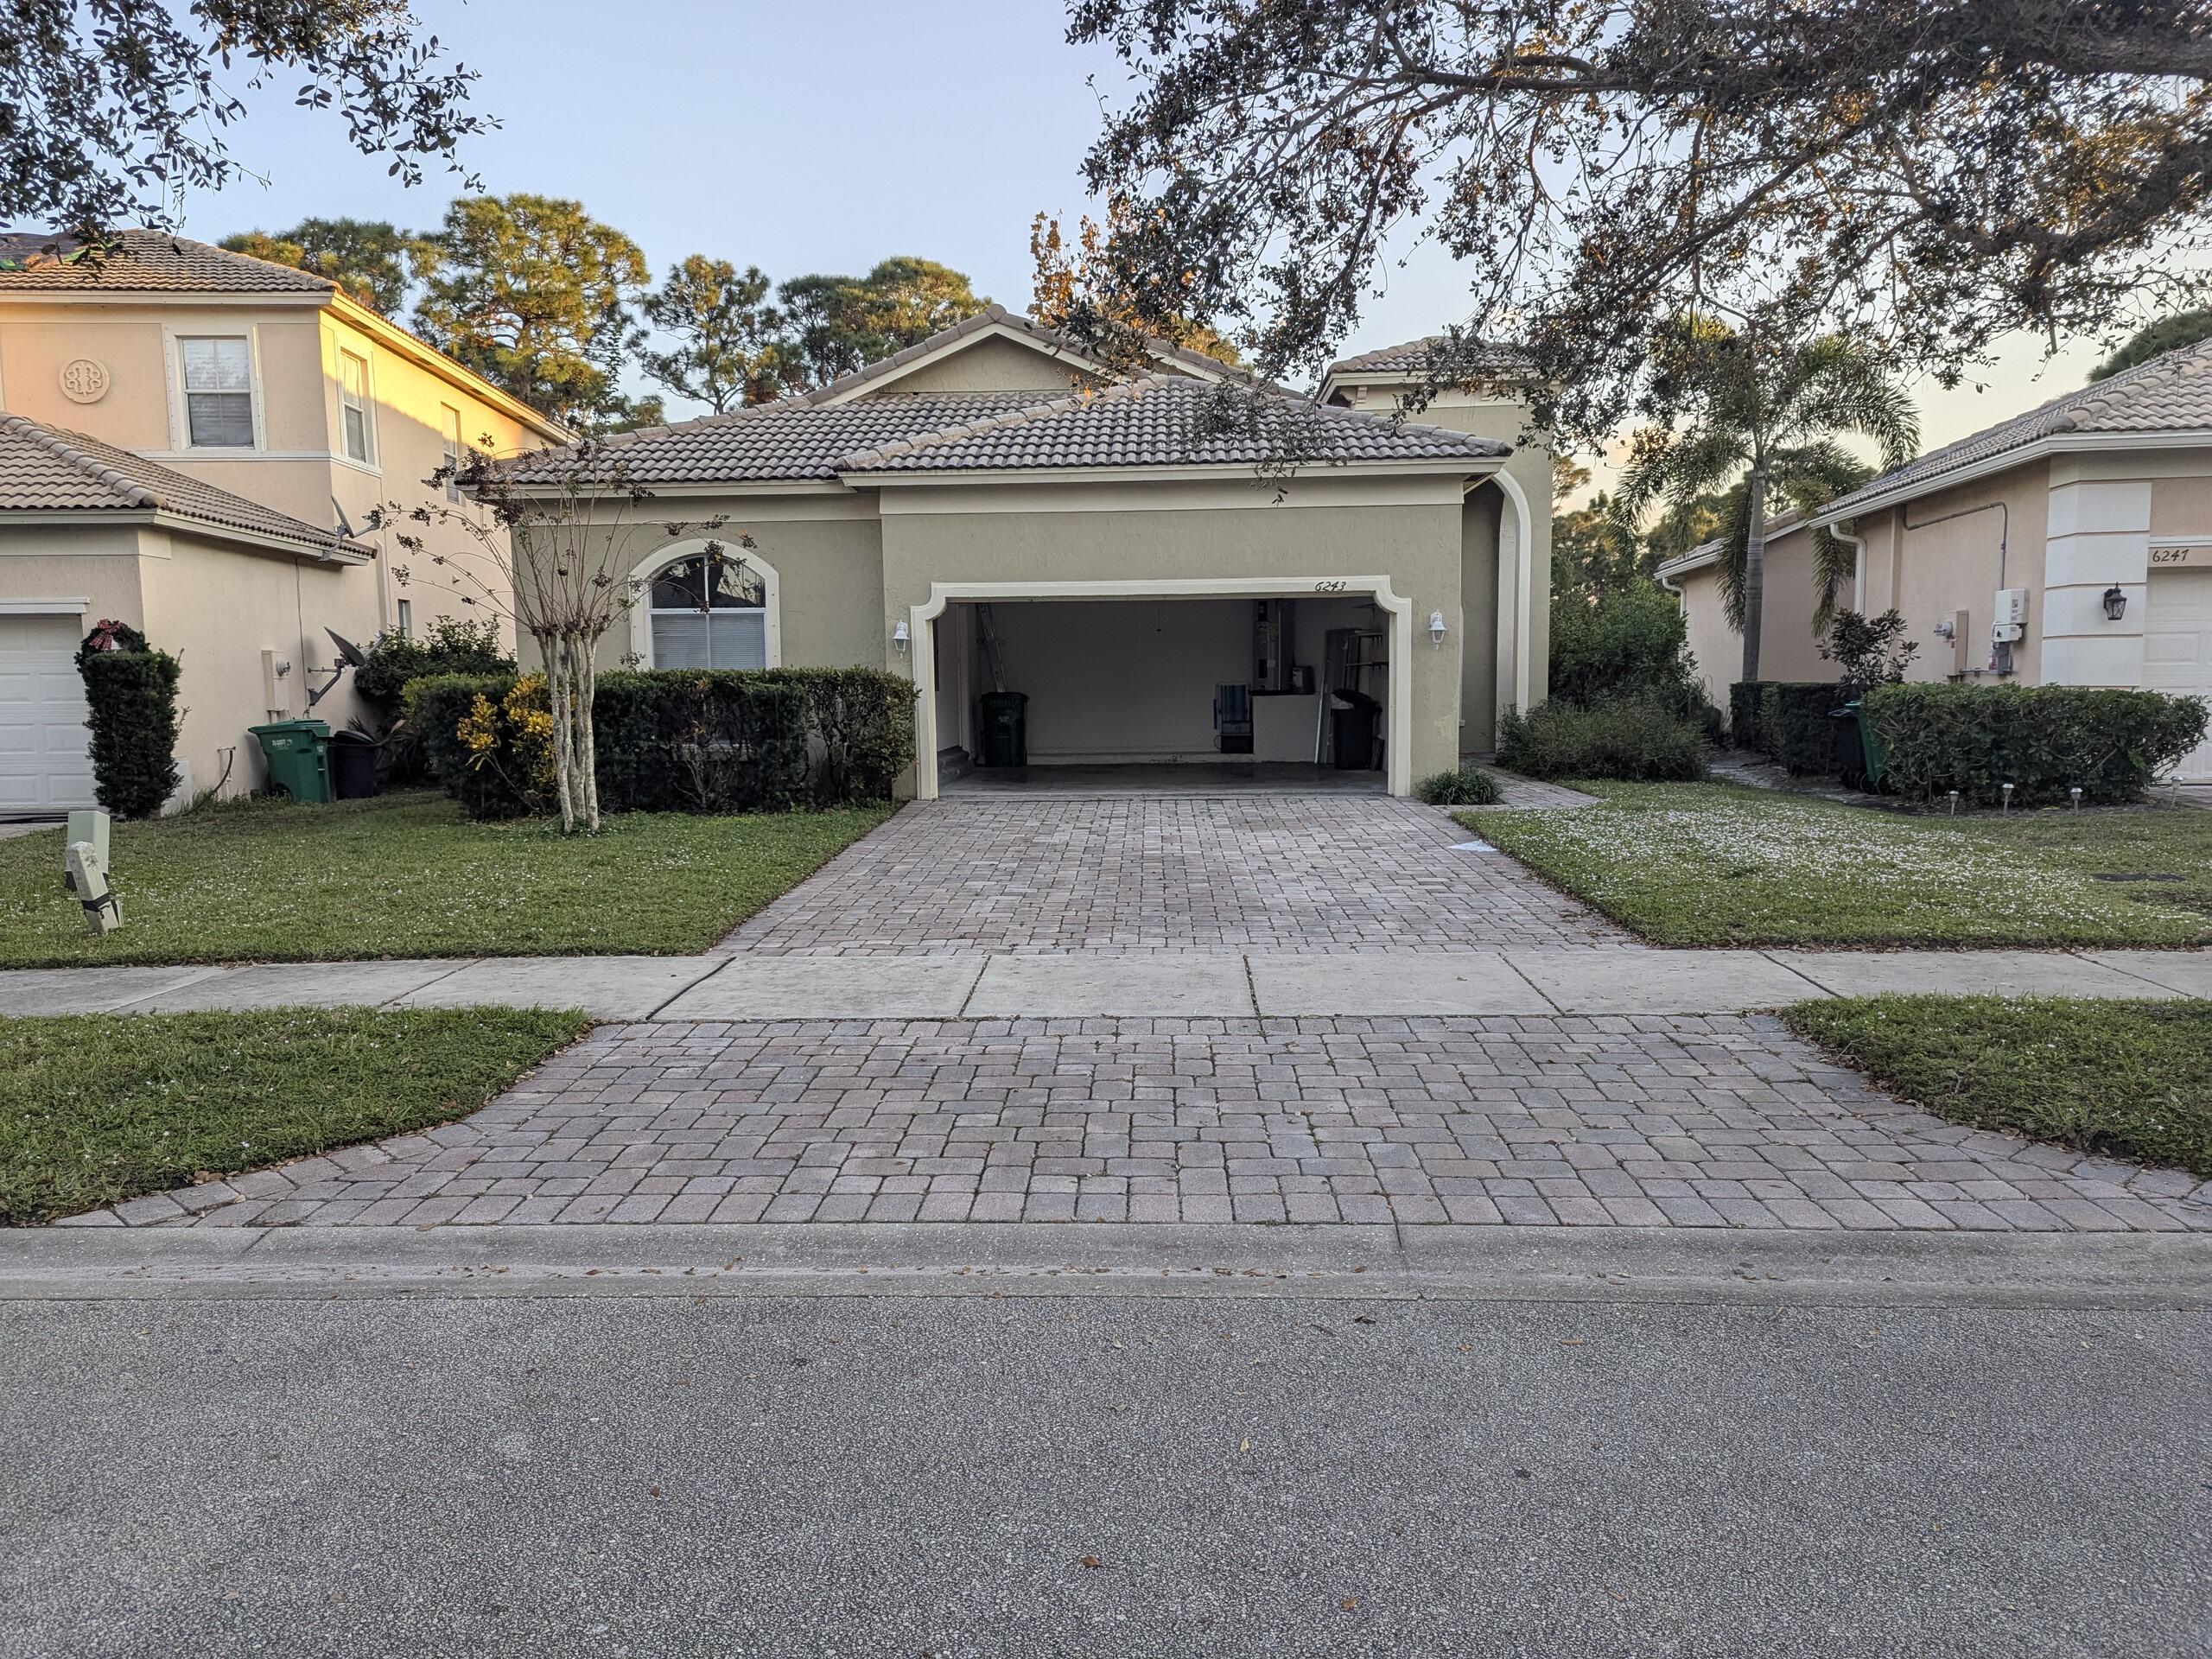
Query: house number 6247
{"points": [[1330, 585]]}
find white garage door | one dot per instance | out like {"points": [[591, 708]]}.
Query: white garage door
{"points": [[2177, 646], [44, 765]]}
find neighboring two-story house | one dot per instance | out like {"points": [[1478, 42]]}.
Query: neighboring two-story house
{"points": [[193, 443]]}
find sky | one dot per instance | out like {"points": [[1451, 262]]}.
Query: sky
{"points": [[823, 138]]}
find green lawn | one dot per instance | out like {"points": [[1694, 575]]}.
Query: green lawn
{"points": [[1719, 864], [408, 875], [97, 1108], [2132, 1079]]}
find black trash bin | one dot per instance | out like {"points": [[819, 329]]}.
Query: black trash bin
{"points": [[1353, 716], [352, 765], [1006, 729]]}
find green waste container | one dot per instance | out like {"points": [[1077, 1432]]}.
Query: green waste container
{"points": [[1005, 728], [298, 753]]}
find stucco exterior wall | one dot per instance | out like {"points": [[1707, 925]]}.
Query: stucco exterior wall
{"points": [[1224, 532], [988, 365], [1790, 649], [1478, 633], [826, 551]]}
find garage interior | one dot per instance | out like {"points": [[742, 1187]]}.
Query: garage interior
{"points": [[1236, 692]]}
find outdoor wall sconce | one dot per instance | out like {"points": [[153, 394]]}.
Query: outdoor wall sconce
{"points": [[900, 639], [1436, 627], [2115, 603]]}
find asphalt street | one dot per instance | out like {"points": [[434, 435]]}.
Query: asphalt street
{"points": [[1024, 1473]]}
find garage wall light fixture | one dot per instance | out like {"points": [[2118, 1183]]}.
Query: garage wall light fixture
{"points": [[1436, 627], [901, 639], [2115, 603]]}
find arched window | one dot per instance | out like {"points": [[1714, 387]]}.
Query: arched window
{"points": [[708, 610]]}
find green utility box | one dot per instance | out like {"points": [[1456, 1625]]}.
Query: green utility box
{"points": [[298, 753]]}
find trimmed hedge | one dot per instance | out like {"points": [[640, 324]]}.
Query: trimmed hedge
{"points": [[1787, 720], [2043, 739], [699, 740], [131, 690], [1645, 737]]}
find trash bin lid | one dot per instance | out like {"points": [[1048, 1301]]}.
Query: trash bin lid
{"points": [[317, 728], [361, 737], [1350, 699]]}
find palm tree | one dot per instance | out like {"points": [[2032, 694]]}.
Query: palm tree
{"points": [[1765, 418]]}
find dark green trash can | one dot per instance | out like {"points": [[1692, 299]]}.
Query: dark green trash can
{"points": [[298, 753], [1005, 728]]}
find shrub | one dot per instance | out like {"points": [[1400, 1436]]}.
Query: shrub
{"points": [[1746, 698], [1795, 723], [690, 740], [1467, 786], [1868, 651], [131, 691], [449, 645], [2044, 739], [1626, 643], [1642, 737]]}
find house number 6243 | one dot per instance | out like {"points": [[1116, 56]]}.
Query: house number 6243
{"points": [[1330, 585]]}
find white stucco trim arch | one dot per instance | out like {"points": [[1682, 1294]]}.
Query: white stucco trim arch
{"points": [[1515, 603], [921, 621], [641, 576]]}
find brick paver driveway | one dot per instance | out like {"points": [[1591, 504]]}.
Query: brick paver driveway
{"points": [[1619, 1120], [1198, 873]]}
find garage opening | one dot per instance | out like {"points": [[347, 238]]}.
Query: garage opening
{"points": [[1259, 693]]}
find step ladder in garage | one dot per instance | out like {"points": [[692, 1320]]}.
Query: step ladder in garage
{"points": [[989, 627]]}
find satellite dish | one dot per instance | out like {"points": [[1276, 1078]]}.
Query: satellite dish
{"points": [[348, 653]]}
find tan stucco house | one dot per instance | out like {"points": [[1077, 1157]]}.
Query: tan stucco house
{"points": [[994, 508], [191, 434], [2070, 546]]}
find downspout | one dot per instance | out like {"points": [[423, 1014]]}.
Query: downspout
{"points": [[1858, 566]]}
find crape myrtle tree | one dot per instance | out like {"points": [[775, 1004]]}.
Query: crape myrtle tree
{"points": [[556, 544], [1742, 406], [112, 110], [1924, 176]]}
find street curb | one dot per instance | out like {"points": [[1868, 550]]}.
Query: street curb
{"points": [[2131, 1271]]}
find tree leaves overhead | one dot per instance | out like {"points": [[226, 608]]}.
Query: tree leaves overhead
{"points": [[1925, 174], [111, 110]]}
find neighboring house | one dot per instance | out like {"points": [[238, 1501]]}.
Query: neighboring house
{"points": [[216, 390], [994, 507], [2071, 545]]}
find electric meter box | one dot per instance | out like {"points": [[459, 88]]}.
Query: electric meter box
{"points": [[2010, 617]]}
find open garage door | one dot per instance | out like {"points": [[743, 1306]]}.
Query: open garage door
{"points": [[2177, 647], [45, 762], [1288, 692]]}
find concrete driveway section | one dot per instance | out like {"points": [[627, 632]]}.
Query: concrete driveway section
{"points": [[1638, 1122], [1470, 982], [1080, 987], [609, 987], [1669, 982], [830, 988], [1137, 874]]}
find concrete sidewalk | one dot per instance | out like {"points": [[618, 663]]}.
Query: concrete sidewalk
{"points": [[1005, 985]]}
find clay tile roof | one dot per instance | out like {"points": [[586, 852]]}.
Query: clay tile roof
{"points": [[1154, 421], [2168, 394], [143, 260], [1412, 358], [44, 469]]}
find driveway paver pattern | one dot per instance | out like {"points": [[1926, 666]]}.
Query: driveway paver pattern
{"points": [[1124, 875], [1596, 1121]]}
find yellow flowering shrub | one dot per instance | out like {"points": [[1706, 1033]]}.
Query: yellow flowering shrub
{"points": [[514, 738]]}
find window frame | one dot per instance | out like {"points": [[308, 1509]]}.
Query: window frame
{"points": [[641, 585], [175, 341], [364, 402], [452, 451]]}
